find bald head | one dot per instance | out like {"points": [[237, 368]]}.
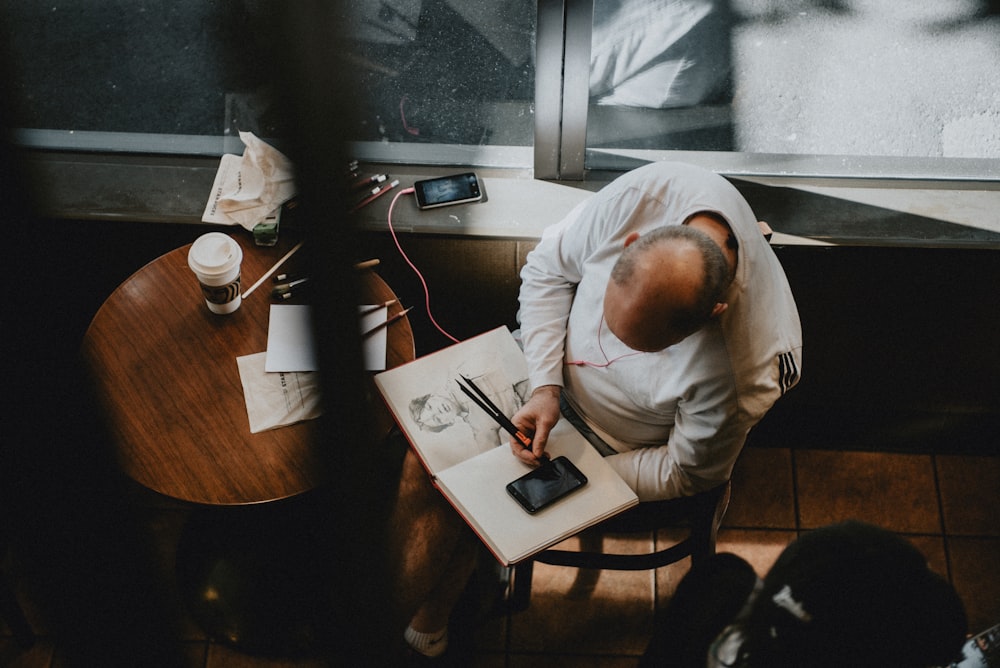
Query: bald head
{"points": [[666, 285]]}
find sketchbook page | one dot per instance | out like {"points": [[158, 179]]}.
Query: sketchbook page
{"points": [[478, 489], [442, 424]]}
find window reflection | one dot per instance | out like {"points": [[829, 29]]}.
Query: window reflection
{"points": [[816, 77], [433, 71], [444, 71], [120, 66], [751, 77]]}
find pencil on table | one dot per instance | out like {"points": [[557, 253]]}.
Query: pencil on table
{"points": [[273, 269], [385, 323], [372, 309]]}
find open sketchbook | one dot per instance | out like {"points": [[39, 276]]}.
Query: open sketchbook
{"points": [[468, 455]]}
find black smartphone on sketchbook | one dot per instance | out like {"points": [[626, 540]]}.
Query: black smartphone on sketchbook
{"points": [[546, 484], [445, 190]]}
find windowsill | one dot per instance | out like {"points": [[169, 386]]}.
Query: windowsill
{"points": [[173, 189]]}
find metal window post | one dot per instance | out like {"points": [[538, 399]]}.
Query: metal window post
{"points": [[562, 87]]}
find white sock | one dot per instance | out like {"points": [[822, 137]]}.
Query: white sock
{"points": [[428, 644]]}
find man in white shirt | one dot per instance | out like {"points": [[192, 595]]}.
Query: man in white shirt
{"points": [[659, 315], [673, 397]]}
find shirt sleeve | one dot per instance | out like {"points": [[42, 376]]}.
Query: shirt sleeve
{"points": [[548, 283], [703, 447]]}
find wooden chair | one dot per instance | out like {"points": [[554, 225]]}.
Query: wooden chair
{"points": [[701, 514]]}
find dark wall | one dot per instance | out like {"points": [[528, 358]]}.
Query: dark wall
{"points": [[900, 349], [900, 343]]}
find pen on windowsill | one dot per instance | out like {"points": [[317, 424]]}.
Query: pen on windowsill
{"points": [[381, 190], [386, 322], [372, 309], [364, 182]]}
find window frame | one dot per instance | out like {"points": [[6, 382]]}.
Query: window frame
{"points": [[559, 152]]}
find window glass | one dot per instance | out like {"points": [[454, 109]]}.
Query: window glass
{"points": [[444, 71], [124, 66], [429, 71], [817, 77]]}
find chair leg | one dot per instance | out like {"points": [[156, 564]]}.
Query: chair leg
{"points": [[519, 583], [702, 542], [704, 534]]}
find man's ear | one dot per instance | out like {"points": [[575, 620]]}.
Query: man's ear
{"points": [[630, 238], [719, 309]]}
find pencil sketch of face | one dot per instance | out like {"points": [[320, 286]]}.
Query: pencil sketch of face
{"points": [[435, 412]]}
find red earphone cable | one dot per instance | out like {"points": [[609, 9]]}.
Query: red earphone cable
{"points": [[399, 247]]}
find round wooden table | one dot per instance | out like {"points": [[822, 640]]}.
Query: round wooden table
{"points": [[167, 372], [166, 369]]}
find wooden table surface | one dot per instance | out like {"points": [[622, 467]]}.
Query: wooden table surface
{"points": [[166, 368]]}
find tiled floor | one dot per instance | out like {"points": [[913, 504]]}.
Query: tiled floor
{"points": [[948, 506]]}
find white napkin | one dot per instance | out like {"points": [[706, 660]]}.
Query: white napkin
{"points": [[249, 187], [277, 399]]}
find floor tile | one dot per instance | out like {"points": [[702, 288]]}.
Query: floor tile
{"points": [[12, 656], [585, 611], [666, 578], [976, 578], [970, 494], [489, 660], [221, 656], [491, 634], [192, 655], [165, 528], [894, 491], [16, 579], [759, 547], [549, 660], [763, 494], [603, 619]]}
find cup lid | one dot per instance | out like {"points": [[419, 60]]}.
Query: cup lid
{"points": [[214, 253]]}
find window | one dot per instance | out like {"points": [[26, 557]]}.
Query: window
{"points": [[862, 88], [444, 71], [151, 68], [789, 87]]}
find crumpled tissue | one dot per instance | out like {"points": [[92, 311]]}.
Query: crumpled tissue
{"points": [[249, 187]]}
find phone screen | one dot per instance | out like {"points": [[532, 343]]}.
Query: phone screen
{"points": [[547, 483], [445, 190]]}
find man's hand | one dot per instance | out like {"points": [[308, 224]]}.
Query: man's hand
{"points": [[536, 417]]}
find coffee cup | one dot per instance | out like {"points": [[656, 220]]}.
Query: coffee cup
{"points": [[215, 259]]}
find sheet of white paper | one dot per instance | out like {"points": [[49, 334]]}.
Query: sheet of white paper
{"points": [[375, 343], [290, 345]]}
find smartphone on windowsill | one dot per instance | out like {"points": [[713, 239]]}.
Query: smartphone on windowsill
{"points": [[447, 190]]}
